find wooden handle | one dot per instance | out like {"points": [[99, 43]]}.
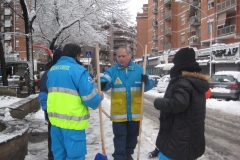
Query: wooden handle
{"points": [[100, 105], [141, 115]]}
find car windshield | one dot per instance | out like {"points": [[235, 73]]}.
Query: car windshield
{"points": [[222, 78]]}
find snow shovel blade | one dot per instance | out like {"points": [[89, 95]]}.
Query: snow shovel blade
{"points": [[100, 156]]}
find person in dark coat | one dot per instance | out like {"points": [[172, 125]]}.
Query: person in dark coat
{"points": [[183, 108], [42, 97]]}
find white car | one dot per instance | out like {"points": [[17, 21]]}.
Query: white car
{"points": [[13, 80], [163, 83]]}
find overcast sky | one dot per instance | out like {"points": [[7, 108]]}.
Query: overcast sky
{"points": [[136, 6]]}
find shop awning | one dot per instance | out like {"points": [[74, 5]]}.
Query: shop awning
{"points": [[222, 18], [221, 62]]}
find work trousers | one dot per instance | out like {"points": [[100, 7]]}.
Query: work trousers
{"points": [[125, 138], [68, 144]]}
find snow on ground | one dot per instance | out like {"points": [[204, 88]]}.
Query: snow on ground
{"points": [[38, 151]]}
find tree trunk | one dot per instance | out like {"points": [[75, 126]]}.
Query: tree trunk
{"points": [[3, 65]]}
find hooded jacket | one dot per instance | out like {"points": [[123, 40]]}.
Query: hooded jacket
{"points": [[183, 108]]}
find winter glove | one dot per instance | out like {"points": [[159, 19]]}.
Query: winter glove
{"points": [[144, 78], [103, 85]]}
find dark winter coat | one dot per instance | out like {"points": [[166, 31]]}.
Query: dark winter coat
{"points": [[183, 108]]}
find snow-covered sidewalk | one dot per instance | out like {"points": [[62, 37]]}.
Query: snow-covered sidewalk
{"points": [[38, 151]]}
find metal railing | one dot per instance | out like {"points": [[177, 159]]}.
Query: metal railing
{"points": [[168, 14], [167, 46], [168, 31], [226, 4]]}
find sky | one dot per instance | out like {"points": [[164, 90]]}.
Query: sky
{"points": [[135, 6], [38, 151]]}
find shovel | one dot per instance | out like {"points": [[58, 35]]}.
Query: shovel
{"points": [[100, 156]]}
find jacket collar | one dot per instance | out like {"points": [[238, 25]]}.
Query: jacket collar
{"points": [[130, 66]]}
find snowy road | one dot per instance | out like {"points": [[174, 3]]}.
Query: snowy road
{"points": [[222, 131]]}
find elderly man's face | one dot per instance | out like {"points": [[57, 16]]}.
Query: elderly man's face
{"points": [[123, 58]]}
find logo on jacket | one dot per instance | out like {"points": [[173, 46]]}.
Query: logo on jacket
{"points": [[90, 79], [118, 81]]}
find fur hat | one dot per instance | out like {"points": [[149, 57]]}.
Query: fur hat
{"points": [[57, 55], [184, 55]]}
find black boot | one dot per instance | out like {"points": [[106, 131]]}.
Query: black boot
{"points": [[129, 157], [153, 153]]}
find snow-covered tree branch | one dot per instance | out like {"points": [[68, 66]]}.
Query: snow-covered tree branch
{"points": [[60, 22]]}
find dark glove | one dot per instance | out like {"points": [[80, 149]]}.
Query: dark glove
{"points": [[103, 85], [144, 78]]}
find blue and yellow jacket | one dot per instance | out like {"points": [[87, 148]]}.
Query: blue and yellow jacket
{"points": [[70, 91], [126, 91]]}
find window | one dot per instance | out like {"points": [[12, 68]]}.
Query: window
{"points": [[17, 18], [162, 12], [182, 20], [210, 4], [17, 43], [183, 38], [182, 4], [161, 42], [209, 25], [2, 17], [162, 29], [17, 29]]}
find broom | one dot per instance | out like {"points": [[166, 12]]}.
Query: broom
{"points": [[103, 155], [141, 118]]}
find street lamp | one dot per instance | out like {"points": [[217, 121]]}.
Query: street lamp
{"points": [[211, 32], [142, 49]]}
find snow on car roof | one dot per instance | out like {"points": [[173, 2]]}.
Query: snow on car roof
{"points": [[235, 74]]}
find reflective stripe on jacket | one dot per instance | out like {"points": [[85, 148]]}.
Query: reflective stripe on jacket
{"points": [[70, 92], [74, 116], [126, 91]]}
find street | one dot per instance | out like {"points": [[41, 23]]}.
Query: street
{"points": [[222, 131]]}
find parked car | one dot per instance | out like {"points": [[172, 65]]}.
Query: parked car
{"points": [[155, 78], [163, 83], [226, 85], [13, 80], [1, 81]]}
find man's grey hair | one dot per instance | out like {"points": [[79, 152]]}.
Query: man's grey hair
{"points": [[128, 49]]}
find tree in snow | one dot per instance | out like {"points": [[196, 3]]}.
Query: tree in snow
{"points": [[29, 15], [60, 22]]}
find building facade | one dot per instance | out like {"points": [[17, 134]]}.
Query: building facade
{"points": [[172, 25]]}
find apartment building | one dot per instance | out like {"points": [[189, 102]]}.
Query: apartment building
{"points": [[172, 25], [119, 35]]}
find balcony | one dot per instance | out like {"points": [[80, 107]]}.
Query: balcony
{"points": [[154, 11], [8, 23], [119, 38], [168, 15], [225, 5], [119, 44], [7, 12], [194, 40], [129, 39], [194, 2], [226, 30], [154, 49], [155, 37], [194, 21], [167, 2], [155, 24], [168, 31], [7, 37], [167, 46]]}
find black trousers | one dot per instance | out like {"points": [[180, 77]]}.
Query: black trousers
{"points": [[50, 154]]}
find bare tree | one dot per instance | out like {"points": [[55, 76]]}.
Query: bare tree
{"points": [[29, 16]]}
